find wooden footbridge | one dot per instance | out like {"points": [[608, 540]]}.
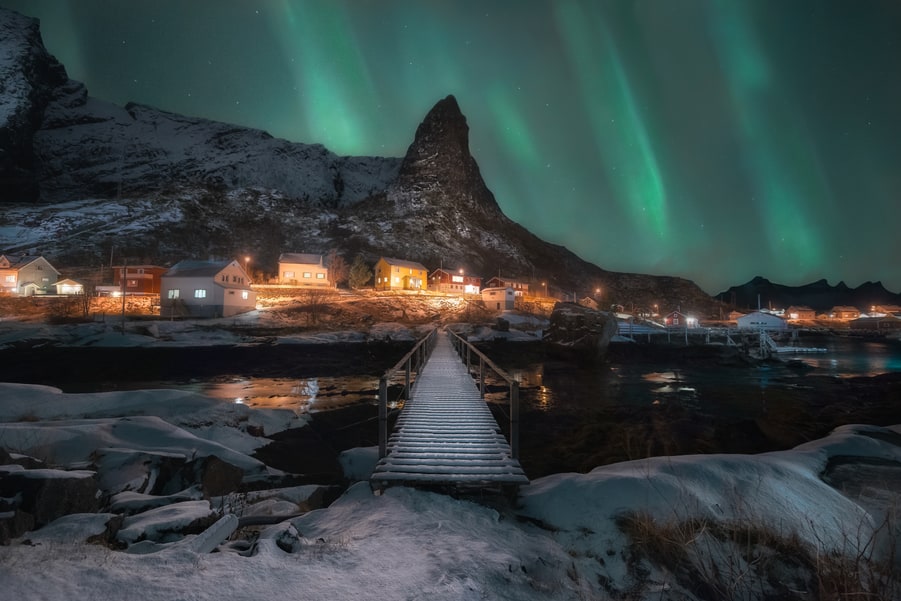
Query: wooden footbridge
{"points": [[445, 435]]}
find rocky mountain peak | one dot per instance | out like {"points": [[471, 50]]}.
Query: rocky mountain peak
{"points": [[28, 74], [438, 166]]}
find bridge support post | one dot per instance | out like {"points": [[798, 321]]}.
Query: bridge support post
{"points": [[407, 380], [383, 417], [514, 419], [482, 377]]}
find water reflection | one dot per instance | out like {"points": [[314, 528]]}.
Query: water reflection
{"points": [[725, 390], [301, 396]]}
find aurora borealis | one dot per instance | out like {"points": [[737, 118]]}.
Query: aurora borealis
{"points": [[710, 139]]}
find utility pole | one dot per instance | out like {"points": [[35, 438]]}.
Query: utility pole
{"points": [[122, 284]]}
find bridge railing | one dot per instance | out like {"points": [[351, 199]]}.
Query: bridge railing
{"points": [[466, 351], [410, 363]]}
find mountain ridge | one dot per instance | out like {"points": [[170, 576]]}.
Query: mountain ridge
{"points": [[157, 186], [818, 295]]}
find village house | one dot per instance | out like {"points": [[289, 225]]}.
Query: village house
{"points": [[761, 320], [886, 310], [499, 299], [677, 319], [520, 286], [68, 287], [800, 312], [302, 269], [444, 280], [734, 315], [27, 275], [139, 279], [397, 274], [206, 289], [843, 312]]}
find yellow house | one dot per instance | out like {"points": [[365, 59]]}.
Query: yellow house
{"points": [[397, 274], [301, 269]]}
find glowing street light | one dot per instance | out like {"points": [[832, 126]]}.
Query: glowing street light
{"points": [[544, 284]]}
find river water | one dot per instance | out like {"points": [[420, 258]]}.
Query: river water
{"points": [[706, 386], [560, 385]]}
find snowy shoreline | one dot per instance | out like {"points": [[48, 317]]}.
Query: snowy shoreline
{"points": [[564, 538]]}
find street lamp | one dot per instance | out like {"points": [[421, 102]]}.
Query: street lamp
{"points": [[544, 284]]}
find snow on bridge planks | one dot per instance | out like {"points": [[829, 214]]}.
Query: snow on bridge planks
{"points": [[446, 434]]}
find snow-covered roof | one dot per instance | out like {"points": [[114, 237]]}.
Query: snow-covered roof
{"points": [[21, 261], [403, 263], [194, 268], [300, 258]]}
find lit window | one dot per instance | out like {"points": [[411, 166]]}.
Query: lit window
{"points": [[320, 276], [307, 274], [200, 293], [11, 279], [173, 293], [289, 275], [245, 295], [132, 283], [456, 278]]}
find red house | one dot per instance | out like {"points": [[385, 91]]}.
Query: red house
{"points": [[139, 279], [519, 286], [679, 320], [444, 280]]}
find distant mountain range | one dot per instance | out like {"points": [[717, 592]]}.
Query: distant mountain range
{"points": [[82, 180], [817, 295]]}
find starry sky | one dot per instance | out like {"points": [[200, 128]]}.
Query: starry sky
{"points": [[710, 139]]}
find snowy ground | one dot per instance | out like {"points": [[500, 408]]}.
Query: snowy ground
{"points": [[563, 539]]}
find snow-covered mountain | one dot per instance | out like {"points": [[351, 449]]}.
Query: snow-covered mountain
{"points": [[81, 176]]}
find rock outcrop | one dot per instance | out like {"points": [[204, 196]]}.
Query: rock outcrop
{"points": [[58, 143], [582, 332]]}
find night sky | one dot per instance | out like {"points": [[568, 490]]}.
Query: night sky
{"points": [[715, 140]]}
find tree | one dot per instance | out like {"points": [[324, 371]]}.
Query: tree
{"points": [[360, 273], [338, 270]]}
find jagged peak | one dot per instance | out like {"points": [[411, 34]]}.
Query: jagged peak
{"points": [[438, 166]]}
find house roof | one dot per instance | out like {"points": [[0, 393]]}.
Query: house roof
{"points": [[402, 263], [192, 268], [20, 261], [68, 282], [300, 258]]}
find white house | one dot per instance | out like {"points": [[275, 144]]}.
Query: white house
{"points": [[301, 269], [69, 287], [27, 275], [758, 320], [206, 289], [499, 299]]}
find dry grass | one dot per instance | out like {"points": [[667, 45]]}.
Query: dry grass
{"points": [[747, 560]]}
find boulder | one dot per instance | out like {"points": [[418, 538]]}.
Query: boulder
{"points": [[48, 493], [581, 331]]}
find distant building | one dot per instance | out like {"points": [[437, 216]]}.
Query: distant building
{"points": [[69, 287], [139, 279], [680, 320], [520, 286], [887, 309], [844, 312], [499, 299], [451, 282], [801, 312], [398, 274], [758, 320], [301, 269], [206, 289], [27, 275], [734, 315]]}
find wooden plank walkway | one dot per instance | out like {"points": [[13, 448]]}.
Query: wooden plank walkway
{"points": [[445, 434]]}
